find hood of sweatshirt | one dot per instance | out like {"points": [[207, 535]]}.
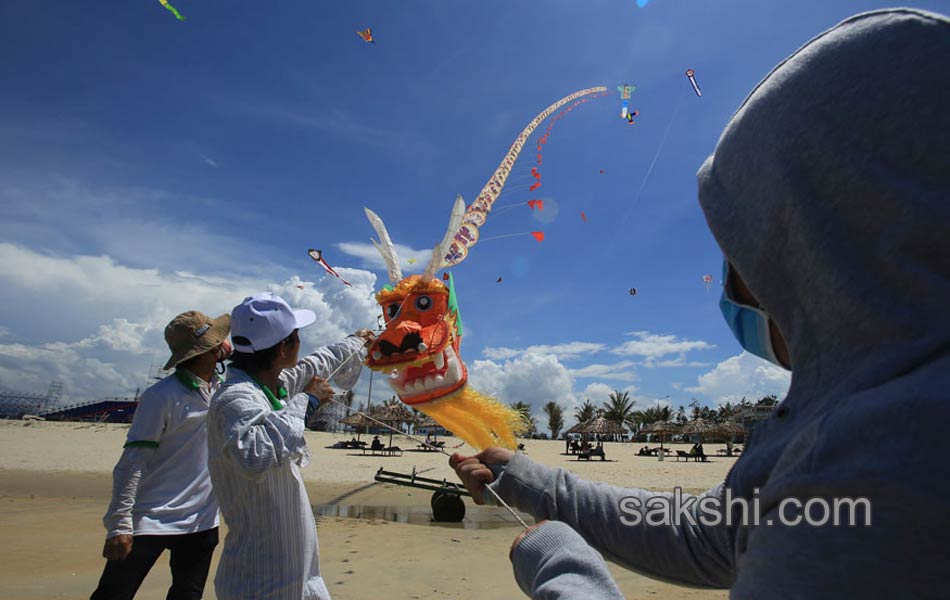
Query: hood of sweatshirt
{"points": [[829, 192]]}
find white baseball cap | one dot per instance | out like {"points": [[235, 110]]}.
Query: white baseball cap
{"points": [[264, 320]]}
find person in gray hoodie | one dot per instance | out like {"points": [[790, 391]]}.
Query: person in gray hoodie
{"points": [[829, 195]]}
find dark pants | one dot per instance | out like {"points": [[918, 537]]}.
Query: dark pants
{"points": [[190, 561]]}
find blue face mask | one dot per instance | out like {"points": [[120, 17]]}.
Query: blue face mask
{"points": [[749, 324]]}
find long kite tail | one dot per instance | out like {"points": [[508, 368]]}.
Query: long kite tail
{"points": [[173, 10], [491, 191]]}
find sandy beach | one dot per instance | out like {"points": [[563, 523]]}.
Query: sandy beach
{"points": [[376, 540]]}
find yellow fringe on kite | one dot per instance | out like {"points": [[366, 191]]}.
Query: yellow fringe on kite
{"points": [[479, 420]]}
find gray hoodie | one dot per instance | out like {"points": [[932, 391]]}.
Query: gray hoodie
{"points": [[829, 191]]}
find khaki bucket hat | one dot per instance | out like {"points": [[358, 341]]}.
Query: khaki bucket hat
{"points": [[192, 333]]}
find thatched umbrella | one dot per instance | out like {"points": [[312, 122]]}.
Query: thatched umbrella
{"points": [[427, 422], [729, 429], [661, 428], [599, 426], [700, 427], [392, 415], [359, 421]]}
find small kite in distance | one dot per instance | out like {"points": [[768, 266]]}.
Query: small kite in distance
{"points": [[538, 204], [601, 171], [317, 256], [708, 279], [445, 276], [367, 35], [499, 280], [633, 291], [411, 261], [172, 9], [534, 186], [691, 74], [538, 235], [583, 216]]}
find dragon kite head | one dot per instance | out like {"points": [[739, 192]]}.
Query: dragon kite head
{"points": [[420, 345]]}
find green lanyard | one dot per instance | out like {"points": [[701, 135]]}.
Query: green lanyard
{"points": [[190, 382], [274, 402], [186, 381]]}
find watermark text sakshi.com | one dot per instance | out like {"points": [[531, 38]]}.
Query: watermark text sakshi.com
{"points": [[686, 509]]}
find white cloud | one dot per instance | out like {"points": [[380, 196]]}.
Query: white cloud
{"points": [[68, 217], [372, 260], [743, 375], [620, 371], [653, 345], [566, 351], [209, 161], [97, 325], [533, 378]]}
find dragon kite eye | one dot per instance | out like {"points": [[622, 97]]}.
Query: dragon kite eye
{"points": [[423, 303], [392, 310]]}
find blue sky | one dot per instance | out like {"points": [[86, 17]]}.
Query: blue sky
{"points": [[149, 166]]}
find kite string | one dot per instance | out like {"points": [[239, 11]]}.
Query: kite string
{"points": [[428, 445], [506, 235], [659, 149]]}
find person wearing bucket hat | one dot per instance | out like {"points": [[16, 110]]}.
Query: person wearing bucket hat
{"points": [[162, 494], [256, 448]]}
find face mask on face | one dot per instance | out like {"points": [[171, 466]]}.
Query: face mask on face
{"points": [[750, 325]]}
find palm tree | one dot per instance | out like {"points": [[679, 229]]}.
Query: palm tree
{"points": [[586, 412], [619, 407], [555, 418], [681, 415], [525, 410]]}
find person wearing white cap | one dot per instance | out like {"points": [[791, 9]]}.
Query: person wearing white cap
{"points": [[162, 497], [256, 448]]}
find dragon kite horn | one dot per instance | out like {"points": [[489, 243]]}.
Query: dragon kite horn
{"points": [[385, 247], [455, 220]]}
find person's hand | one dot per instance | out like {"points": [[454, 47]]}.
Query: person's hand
{"points": [[368, 337], [118, 547], [320, 389], [521, 535], [473, 471]]}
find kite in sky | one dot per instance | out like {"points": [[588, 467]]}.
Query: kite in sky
{"points": [[691, 74], [419, 348], [367, 35], [633, 291], [538, 204], [583, 216], [625, 91], [708, 279], [631, 115], [499, 280], [317, 256], [172, 9], [411, 261]]}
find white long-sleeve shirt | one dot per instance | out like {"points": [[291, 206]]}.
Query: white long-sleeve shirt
{"points": [[255, 453], [161, 484]]}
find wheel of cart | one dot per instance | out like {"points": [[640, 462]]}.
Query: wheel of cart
{"points": [[447, 506]]}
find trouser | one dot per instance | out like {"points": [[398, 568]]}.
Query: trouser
{"points": [[190, 561]]}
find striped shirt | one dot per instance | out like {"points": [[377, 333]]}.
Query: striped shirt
{"points": [[255, 451]]}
